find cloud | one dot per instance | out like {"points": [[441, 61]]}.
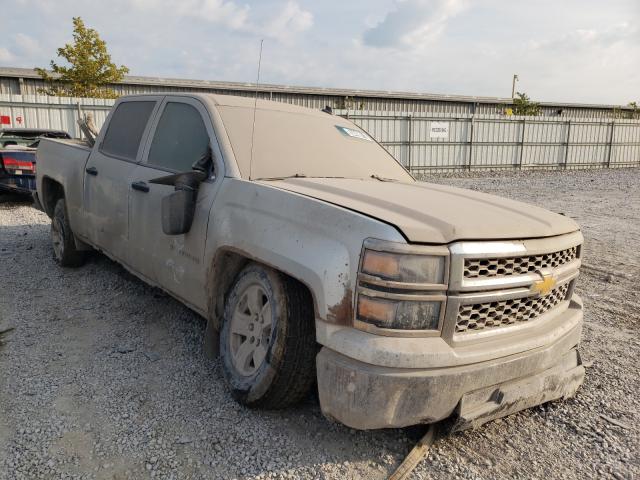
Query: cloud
{"points": [[290, 21], [576, 50], [6, 56], [581, 38], [227, 13], [286, 21], [26, 45], [413, 23], [584, 64]]}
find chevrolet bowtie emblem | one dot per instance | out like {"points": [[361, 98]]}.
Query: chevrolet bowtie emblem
{"points": [[544, 286]]}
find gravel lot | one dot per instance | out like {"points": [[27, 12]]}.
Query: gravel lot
{"points": [[103, 376]]}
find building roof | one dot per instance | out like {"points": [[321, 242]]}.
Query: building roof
{"points": [[339, 92]]}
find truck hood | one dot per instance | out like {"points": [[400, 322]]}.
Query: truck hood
{"points": [[429, 213]]}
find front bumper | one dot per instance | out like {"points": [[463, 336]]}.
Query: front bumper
{"points": [[365, 396]]}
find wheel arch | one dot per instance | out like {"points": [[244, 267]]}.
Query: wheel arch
{"points": [[227, 263], [52, 191]]}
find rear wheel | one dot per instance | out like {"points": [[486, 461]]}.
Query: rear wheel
{"points": [[64, 245], [267, 341]]}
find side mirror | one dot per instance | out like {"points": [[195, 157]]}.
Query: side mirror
{"points": [[178, 210], [179, 207]]}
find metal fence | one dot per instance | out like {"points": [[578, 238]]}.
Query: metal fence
{"points": [[422, 143], [471, 142]]}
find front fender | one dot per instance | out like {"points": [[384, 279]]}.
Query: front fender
{"points": [[315, 242]]}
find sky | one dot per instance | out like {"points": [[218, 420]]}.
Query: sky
{"points": [[584, 51]]}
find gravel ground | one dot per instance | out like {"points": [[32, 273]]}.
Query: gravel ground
{"points": [[103, 376]]}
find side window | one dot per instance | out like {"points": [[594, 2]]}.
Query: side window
{"points": [[125, 129], [180, 140]]}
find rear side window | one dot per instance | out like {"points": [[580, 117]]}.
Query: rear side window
{"points": [[180, 140], [126, 128]]}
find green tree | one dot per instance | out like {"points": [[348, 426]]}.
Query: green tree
{"points": [[90, 69], [631, 112], [522, 105]]}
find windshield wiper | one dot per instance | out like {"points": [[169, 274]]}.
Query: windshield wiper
{"points": [[297, 175], [383, 179]]}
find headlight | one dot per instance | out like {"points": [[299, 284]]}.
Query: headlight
{"points": [[401, 288], [405, 268]]}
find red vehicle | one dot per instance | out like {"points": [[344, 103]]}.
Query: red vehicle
{"points": [[18, 157]]}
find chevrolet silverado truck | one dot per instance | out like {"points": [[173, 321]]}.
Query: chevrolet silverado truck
{"points": [[316, 258]]}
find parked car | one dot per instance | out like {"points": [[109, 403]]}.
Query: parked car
{"points": [[18, 157], [315, 256]]}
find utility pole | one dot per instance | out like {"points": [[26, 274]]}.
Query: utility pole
{"points": [[513, 86]]}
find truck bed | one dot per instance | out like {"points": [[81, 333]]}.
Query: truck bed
{"points": [[63, 161]]}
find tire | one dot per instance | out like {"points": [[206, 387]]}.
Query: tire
{"points": [[63, 242], [282, 372]]}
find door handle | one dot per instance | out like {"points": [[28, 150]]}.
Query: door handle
{"points": [[92, 171], [140, 186]]}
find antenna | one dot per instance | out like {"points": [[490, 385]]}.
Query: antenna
{"points": [[255, 107]]}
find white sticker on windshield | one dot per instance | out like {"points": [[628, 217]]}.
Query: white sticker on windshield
{"points": [[354, 133]]}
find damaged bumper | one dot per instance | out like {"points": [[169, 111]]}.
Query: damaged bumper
{"points": [[365, 396]]}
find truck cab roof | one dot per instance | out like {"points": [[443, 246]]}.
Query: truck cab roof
{"points": [[272, 140]]}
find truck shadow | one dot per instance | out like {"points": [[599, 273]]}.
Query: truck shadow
{"points": [[15, 199]]}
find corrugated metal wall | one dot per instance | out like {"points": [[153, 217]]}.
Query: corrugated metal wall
{"points": [[9, 86], [315, 98], [471, 141], [37, 111]]}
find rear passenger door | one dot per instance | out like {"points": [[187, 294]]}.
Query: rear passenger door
{"points": [[180, 136], [107, 173]]}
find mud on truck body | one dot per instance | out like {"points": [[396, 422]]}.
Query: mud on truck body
{"points": [[315, 256]]}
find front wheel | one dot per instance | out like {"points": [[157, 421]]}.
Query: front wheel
{"points": [[267, 341], [62, 240]]}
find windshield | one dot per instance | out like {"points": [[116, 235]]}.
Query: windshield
{"points": [[305, 144]]}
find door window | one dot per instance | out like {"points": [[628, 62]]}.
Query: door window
{"points": [[180, 139], [126, 128]]}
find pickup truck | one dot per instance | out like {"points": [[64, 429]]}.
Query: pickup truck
{"points": [[317, 259]]}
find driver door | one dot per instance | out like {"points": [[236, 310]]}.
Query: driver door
{"points": [[180, 136]]}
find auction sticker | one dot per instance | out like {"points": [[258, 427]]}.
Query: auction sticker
{"points": [[350, 132]]}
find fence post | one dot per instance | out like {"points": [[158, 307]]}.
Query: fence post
{"points": [[613, 126], [76, 126], [470, 144], [566, 148], [524, 124], [410, 135]]}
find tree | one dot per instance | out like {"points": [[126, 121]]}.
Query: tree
{"points": [[522, 105], [631, 112], [347, 103], [90, 69]]}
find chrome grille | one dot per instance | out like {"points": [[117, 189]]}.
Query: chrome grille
{"points": [[479, 316], [494, 267]]}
